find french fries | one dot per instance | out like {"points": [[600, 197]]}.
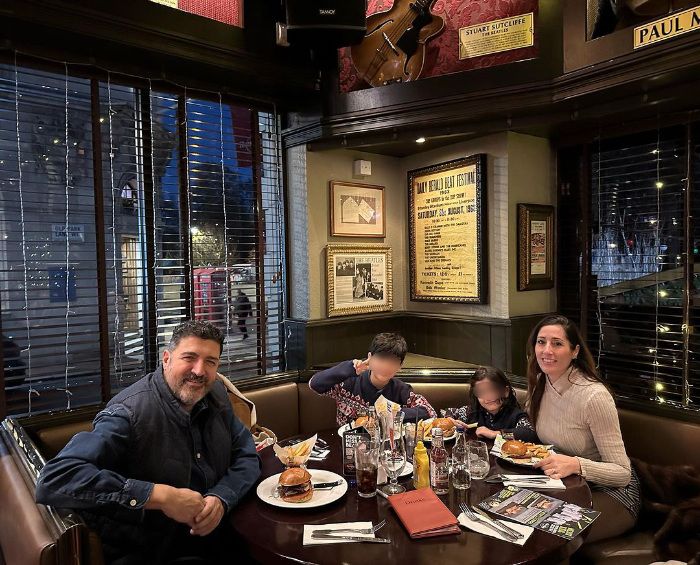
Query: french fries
{"points": [[300, 450], [297, 454]]}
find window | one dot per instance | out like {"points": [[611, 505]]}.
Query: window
{"points": [[177, 214], [636, 268]]}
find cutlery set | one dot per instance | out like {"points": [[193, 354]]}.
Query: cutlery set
{"points": [[332, 534]]}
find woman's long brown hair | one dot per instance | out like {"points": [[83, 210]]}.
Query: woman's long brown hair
{"points": [[535, 376]]}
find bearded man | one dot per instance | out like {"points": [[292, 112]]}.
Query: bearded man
{"points": [[166, 460]]}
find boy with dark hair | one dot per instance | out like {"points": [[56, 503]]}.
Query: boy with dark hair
{"points": [[355, 385]]}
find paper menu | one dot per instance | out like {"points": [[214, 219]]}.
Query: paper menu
{"points": [[540, 511]]}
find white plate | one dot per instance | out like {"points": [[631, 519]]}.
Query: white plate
{"points": [[407, 470], [346, 427], [496, 450], [448, 438], [266, 490]]}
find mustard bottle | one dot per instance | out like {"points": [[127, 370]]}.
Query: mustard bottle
{"points": [[421, 466]]}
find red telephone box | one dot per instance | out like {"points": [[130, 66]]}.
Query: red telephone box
{"points": [[210, 287]]}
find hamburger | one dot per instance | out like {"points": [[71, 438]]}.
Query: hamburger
{"points": [[294, 485], [445, 424], [515, 449]]}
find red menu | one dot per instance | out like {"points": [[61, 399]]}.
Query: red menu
{"points": [[423, 514]]}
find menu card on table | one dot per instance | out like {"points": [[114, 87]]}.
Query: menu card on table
{"points": [[540, 511], [423, 514], [350, 439]]}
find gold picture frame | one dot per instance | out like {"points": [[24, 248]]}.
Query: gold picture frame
{"points": [[357, 209], [535, 247], [447, 231], [359, 279]]}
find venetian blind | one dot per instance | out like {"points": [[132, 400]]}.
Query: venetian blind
{"points": [[188, 222]]}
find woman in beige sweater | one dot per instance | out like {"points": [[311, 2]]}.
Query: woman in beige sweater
{"points": [[573, 409]]}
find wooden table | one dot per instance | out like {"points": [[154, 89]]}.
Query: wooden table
{"points": [[274, 535]]}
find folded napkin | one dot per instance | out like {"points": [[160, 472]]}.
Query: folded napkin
{"points": [[319, 454], [310, 528], [522, 482], [480, 528]]}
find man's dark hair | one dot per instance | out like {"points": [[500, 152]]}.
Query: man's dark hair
{"points": [[389, 344], [196, 328]]}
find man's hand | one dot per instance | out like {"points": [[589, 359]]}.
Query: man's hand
{"points": [[559, 466], [180, 504], [360, 365], [209, 518], [483, 431]]}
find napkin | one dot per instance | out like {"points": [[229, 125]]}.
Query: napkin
{"points": [[319, 454], [521, 481], [310, 528], [480, 528]]}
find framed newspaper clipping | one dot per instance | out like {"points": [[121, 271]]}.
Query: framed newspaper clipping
{"points": [[447, 231], [359, 279], [357, 210]]}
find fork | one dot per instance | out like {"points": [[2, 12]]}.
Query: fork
{"points": [[371, 530], [469, 513]]}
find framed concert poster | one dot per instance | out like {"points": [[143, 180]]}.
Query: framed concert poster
{"points": [[359, 279], [447, 231], [535, 247], [357, 210]]}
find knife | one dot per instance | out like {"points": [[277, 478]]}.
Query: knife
{"points": [[501, 479], [316, 535], [327, 485], [505, 528]]}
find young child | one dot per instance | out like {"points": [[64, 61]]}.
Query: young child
{"points": [[493, 406], [355, 385]]}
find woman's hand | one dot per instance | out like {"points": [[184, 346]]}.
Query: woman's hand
{"points": [[483, 431], [559, 466], [361, 365]]}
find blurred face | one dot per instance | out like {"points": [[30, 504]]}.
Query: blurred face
{"points": [[383, 368], [190, 369], [554, 351], [490, 395]]}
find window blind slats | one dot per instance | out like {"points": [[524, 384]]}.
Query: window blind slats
{"points": [[234, 219]]}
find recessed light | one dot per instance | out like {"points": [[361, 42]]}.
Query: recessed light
{"points": [[420, 140]]}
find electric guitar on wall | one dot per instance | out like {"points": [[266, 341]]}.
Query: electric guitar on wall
{"points": [[394, 48]]}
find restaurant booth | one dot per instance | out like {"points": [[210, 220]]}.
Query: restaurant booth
{"points": [[528, 157]]}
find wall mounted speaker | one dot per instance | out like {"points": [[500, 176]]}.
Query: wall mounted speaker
{"points": [[326, 23]]}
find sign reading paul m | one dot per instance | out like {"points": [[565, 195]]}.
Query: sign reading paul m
{"points": [[666, 28]]}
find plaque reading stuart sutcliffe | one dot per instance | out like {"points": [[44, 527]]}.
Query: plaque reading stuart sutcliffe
{"points": [[447, 231]]}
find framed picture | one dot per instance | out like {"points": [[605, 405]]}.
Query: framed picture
{"points": [[447, 231], [359, 279], [535, 247], [357, 210]]}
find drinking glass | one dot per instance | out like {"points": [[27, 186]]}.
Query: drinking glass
{"points": [[366, 465], [392, 451], [479, 464]]}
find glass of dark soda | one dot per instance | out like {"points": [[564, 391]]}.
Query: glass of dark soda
{"points": [[366, 465]]}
